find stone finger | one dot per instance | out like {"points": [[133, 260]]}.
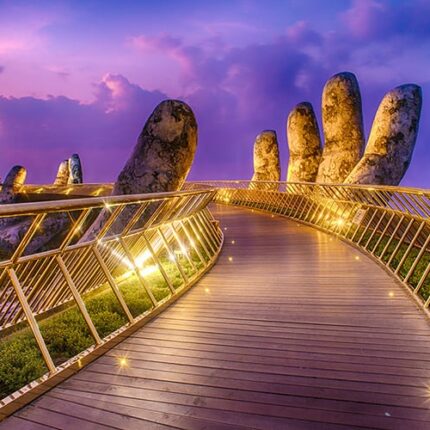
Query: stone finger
{"points": [[392, 138], [343, 128], [304, 143]]}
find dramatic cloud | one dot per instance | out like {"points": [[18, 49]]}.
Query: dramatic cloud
{"points": [[40, 133], [238, 77], [371, 20]]}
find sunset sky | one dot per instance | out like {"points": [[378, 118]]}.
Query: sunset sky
{"points": [[83, 76]]}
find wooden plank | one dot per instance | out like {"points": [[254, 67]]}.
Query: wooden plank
{"points": [[260, 403], [253, 416], [298, 331], [16, 423]]}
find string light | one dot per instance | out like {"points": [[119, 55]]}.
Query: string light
{"points": [[230, 259]]}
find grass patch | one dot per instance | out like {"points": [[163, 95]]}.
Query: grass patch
{"points": [[66, 333]]}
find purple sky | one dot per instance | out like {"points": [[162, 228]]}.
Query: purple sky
{"points": [[82, 76]]}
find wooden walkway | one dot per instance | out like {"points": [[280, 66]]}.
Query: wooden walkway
{"points": [[297, 331]]}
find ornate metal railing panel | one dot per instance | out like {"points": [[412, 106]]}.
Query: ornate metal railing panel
{"points": [[57, 253], [391, 224]]}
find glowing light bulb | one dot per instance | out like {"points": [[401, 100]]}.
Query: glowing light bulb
{"points": [[123, 362], [357, 257], [390, 294], [340, 222], [233, 242], [230, 259]]}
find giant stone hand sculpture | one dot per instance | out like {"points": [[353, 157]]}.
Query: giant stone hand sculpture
{"points": [[160, 161], [390, 145]]}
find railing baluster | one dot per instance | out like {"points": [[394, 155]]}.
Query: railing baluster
{"points": [[136, 270], [31, 320], [78, 299], [112, 284]]}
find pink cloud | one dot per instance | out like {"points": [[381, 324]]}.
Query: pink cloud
{"points": [[39, 133], [165, 45], [373, 20], [365, 18], [163, 42]]}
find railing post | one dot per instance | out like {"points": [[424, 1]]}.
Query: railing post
{"points": [[400, 242], [112, 284], [173, 256], [408, 250], [137, 271], [31, 320], [160, 266], [192, 242], [78, 299]]}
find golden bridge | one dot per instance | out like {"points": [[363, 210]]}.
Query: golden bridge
{"points": [[258, 305]]}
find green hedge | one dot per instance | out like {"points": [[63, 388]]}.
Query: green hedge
{"points": [[66, 333]]}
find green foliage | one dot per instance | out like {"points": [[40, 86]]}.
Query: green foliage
{"points": [[66, 333], [419, 269], [20, 363]]}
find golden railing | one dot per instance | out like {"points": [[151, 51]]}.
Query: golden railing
{"points": [[391, 224], [39, 278]]}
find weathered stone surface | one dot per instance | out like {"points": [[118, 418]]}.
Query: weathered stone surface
{"points": [[266, 157], [164, 151], [13, 182], [12, 229], [304, 143], [62, 177], [343, 128], [11, 186], [392, 138], [52, 230], [160, 160], [75, 170]]}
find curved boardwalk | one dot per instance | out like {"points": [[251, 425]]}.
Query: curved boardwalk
{"points": [[298, 331]]}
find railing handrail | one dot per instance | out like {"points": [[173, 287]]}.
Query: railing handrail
{"points": [[392, 188], [405, 200], [31, 208]]}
